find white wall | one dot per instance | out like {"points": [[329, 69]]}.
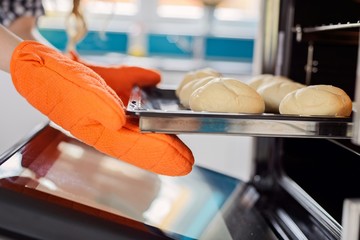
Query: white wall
{"points": [[228, 154], [17, 117]]}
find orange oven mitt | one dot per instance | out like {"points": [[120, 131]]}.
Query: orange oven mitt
{"points": [[122, 78], [77, 99]]}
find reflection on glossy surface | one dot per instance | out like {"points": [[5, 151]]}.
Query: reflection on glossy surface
{"points": [[71, 172]]}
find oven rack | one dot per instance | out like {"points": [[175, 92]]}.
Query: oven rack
{"points": [[342, 33], [330, 27], [159, 110]]}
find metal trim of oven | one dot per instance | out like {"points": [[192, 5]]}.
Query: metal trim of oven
{"points": [[8, 153]]}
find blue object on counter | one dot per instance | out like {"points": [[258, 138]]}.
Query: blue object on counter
{"points": [[229, 48], [170, 45], [94, 42], [159, 45]]}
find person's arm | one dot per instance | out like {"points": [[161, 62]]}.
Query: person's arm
{"points": [[23, 27], [26, 28], [8, 42]]}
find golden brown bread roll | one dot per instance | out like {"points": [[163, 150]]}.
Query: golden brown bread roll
{"points": [[195, 75], [320, 100], [226, 95], [190, 87]]}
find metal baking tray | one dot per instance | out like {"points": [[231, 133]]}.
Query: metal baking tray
{"points": [[159, 111]]}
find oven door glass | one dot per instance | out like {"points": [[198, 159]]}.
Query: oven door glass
{"points": [[60, 169]]}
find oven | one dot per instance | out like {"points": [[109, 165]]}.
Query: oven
{"points": [[305, 179]]}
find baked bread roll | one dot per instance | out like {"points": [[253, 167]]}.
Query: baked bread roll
{"points": [[320, 100], [264, 79], [195, 75], [258, 80], [226, 95], [274, 91], [190, 87]]}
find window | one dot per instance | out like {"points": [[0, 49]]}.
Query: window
{"points": [[101, 15], [191, 16], [226, 10], [237, 10], [57, 7], [120, 7], [117, 7], [172, 28], [230, 18], [188, 9]]}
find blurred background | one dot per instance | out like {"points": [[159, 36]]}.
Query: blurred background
{"points": [[192, 29]]}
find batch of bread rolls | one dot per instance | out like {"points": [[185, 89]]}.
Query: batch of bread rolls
{"points": [[209, 91]]}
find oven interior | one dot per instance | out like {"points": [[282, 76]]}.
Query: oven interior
{"points": [[318, 44]]}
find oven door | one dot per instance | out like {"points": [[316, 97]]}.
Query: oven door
{"points": [[55, 187]]}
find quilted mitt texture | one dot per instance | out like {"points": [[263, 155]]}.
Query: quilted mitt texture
{"points": [[79, 100]]}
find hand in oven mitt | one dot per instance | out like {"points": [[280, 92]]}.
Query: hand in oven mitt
{"points": [[122, 78], [77, 99]]}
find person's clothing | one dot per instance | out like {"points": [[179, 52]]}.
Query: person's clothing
{"points": [[10, 10]]}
